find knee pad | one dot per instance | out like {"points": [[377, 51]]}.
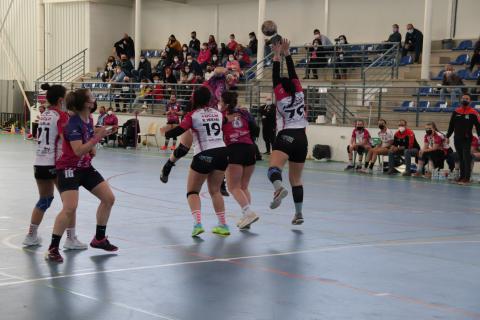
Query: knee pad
{"points": [[274, 174], [181, 151], [297, 193], [190, 193], [44, 203]]}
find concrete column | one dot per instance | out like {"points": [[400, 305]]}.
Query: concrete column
{"points": [[217, 23], [40, 38], [326, 14], [262, 4], [138, 31], [427, 40]]}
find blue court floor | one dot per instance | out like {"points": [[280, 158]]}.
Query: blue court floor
{"points": [[371, 248]]}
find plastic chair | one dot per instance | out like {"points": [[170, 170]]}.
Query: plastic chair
{"points": [[404, 106], [461, 59], [424, 91], [439, 76], [464, 45], [452, 107], [463, 74], [406, 61], [438, 107], [474, 75], [302, 63], [151, 132]]}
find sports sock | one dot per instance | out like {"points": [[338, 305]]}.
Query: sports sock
{"points": [[246, 209], [100, 233], [197, 216], [55, 241], [297, 193], [70, 233], [32, 230], [221, 218]]}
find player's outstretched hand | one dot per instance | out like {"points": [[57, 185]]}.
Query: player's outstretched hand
{"points": [[285, 47]]}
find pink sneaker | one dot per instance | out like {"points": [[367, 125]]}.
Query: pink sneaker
{"points": [[103, 244]]}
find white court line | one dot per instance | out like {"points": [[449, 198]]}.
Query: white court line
{"points": [[166, 265]]}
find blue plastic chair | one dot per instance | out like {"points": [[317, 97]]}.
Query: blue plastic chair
{"points": [[463, 74], [461, 59], [437, 108], [452, 107], [422, 106], [424, 91], [294, 50], [302, 63], [474, 75], [439, 76], [406, 61], [464, 45], [403, 107]]}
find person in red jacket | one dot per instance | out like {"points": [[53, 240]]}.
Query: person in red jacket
{"points": [[204, 56], [404, 143], [361, 142]]}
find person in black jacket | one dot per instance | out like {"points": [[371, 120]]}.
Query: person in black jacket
{"points": [[127, 66], [268, 114], [395, 36], [194, 45], [125, 46], [316, 59], [144, 70], [463, 119], [253, 44], [413, 42], [476, 55]]}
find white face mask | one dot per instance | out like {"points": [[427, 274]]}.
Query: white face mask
{"points": [[189, 61], [240, 57], [214, 58], [401, 129], [142, 60], [410, 31], [342, 41], [176, 60], [317, 36], [110, 112], [156, 81], [231, 59]]}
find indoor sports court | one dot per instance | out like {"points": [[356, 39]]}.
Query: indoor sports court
{"points": [[239, 159]]}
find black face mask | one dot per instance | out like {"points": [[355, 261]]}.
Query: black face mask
{"points": [[465, 102], [360, 128], [429, 132], [381, 126]]}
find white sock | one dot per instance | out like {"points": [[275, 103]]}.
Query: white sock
{"points": [[33, 229], [350, 162], [70, 233], [246, 209]]}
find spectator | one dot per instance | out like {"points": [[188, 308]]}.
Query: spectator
{"points": [[41, 109], [315, 59], [125, 46], [361, 142], [127, 66], [341, 60], [323, 38], [176, 67], [188, 77], [109, 69], [404, 143], [432, 151], [144, 69], [212, 45], [126, 96], [386, 137], [101, 117], [204, 56], [232, 64], [242, 57], [476, 55], [194, 44], [183, 56], [145, 95], [194, 66], [157, 92], [215, 62], [463, 119], [209, 72], [413, 42], [269, 123], [231, 46], [173, 47], [450, 78], [396, 36], [118, 76], [252, 45], [110, 120], [169, 77]]}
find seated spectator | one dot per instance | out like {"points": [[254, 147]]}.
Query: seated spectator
{"points": [[386, 137], [253, 44], [125, 46], [127, 66], [145, 95], [144, 69], [194, 45], [450, 78], [242, 57], [176, 67], [233, 65], [432, 151], [194, 66], [215, 62], [157, 92], [209, 72], [109, 69], [395, 36], [204, 56], [187, 76], [169, 77], [183, 56], [126, 96], [413, 42], [324, 40], [230, 47], [161, 64], [173, 47], [118, 76], [212, 45], [361, 142], [102, 113], [404, 144], [476, 55], [110, 120], [316, 59], [173, 111]]}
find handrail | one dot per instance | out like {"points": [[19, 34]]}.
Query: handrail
{"points": [[59, 68], [255, 66], [395, 47]]}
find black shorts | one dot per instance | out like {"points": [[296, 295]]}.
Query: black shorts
{"points": [[44, 172], [294, 143], [210, 160], [242, 154], [69, 179], [173, 122]]}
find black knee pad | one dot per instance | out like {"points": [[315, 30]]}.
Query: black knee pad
{"points": [[190, 193], [297, 193], [181, 151]]}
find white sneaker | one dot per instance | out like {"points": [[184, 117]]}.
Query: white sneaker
{"points": [[32, 240], [247, 220], [278, 197], [74, 244]]}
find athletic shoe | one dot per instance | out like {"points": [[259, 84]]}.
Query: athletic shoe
{"points": [[247, 220], [164, 148], [166, 171], [103, 244], [53, 255], [74, 244], [407, 174], [223, 190], [197, 230], [32, 240], [358, 167], [366, 171], [417, 174], [297, 219], [173, 148], [221, 230], [349, 167], [277, 197], [464, 182], [427, 175]]}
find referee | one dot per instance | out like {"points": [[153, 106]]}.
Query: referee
{"points": [[461, 123]]}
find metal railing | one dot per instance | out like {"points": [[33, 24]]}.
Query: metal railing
{"points": [[68, 70], [9, 119]]}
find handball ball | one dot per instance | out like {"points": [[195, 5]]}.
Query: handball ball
{"points": [[269, 28]]}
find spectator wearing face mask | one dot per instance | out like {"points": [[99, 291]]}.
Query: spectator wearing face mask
{"points": [[176, 67], [404, 144], [125, 46], [323, 38], [118, 76], [145, 95], [316, 59], [269, 123], [212, 45], [361, 142], [432, 151], [194, 66], [169, 77], [386, 138], [194, 45], [413, 42], [204, 56], [232, 64], [463, 119], [127, 66], [162, 63], [450, 78], [185, 53], [126, 96], [253, 44], [187, 76], [242, 57], [102, 113], [395, 36], [215, 62], [109, 69], [110, 120], [158, 90], [173, 46], [144, 69], [230, 47], [341, 59]]}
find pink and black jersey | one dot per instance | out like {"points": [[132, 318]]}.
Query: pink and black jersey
{"points": [[50, 129], [361, 136], [290, 116], [172, 113], [75, 130], [434, 139], [237, 130], [206, 124]]}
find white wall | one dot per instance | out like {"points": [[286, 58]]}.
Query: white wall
{"points": [[468, 23]]}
